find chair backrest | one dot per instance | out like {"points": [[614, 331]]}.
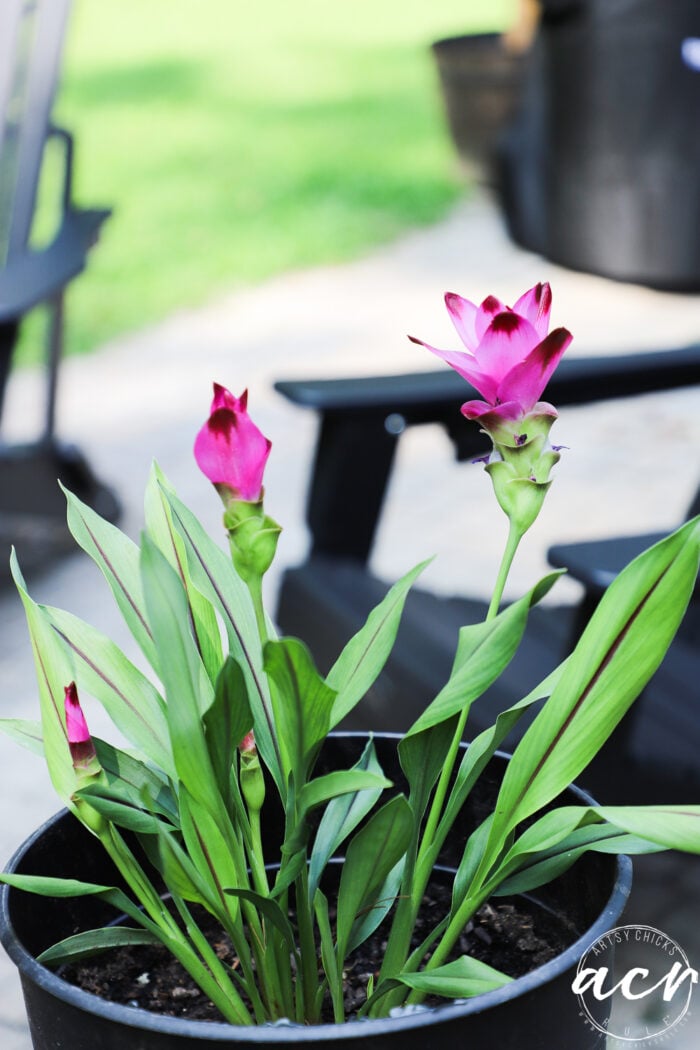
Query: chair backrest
{"points": [[31, 42]]}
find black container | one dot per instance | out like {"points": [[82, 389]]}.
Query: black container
{"points": [[602, 171], [535, 1012], [481, 84]]}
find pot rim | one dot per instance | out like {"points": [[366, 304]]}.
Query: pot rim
{"points": [[215, 1031]]}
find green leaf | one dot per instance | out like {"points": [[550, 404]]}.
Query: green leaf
{"points": [[461, 979], [365, 925], [301, 701], [422, 758], [92, 942], [201, 615], [618, 652], [358, 666], [118, 558], [119, 808], [341, 817], [210, 845], [270, 909], [214, 575], [227, 721], [483, 651], [342, 782], [482, 748], [371, 855], [672, 827], [539, 868], [129, 698], [142, 782], [24, 732], [182, 674], [46, 886], [54, 672]]}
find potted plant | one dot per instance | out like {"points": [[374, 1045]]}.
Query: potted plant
{"points": [[261, 850]]}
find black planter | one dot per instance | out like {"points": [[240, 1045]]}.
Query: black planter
{"points": [[481, 83], [600, 172], [535, 1012]]}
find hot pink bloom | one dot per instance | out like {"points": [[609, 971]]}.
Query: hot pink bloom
{"points": [[80, 742], [509, 356], [230, 450]]}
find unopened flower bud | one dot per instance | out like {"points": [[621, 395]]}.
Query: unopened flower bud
{"points": [[80, 742], [252, 778]]}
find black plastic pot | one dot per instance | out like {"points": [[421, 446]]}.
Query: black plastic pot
{"points": [[481, 83], [535, 1012], [601, 170]]}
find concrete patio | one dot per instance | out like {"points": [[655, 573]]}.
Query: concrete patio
{"points": [[629, 467]]}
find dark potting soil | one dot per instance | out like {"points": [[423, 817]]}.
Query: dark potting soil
{"points": [[514, 935]]}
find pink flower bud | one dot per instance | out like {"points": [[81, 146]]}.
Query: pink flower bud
{"points": [[247, 744], [80, 742], [509, 356], [230, 450]]}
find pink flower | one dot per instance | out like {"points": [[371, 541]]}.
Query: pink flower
{"points": [[509, 356], [80, 742], [230, 450]]}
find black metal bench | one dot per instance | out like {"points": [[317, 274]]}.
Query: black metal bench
{"points": [[326, 599], [31, 505]]}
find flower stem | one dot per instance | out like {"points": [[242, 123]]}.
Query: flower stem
{"points": [[514, 537]]}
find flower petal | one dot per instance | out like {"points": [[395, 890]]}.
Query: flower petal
{"points": [[230, 450], [508, 341], [536, 305], [527, 379], [485, 314], [466, 365], [463, 316]]}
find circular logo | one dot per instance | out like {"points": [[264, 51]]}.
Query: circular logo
{"points": [[634, 984]]}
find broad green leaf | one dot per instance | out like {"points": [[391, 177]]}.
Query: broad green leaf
{"points": [[341, 817], [213, 574], [301, 701], [92, 942], [461, 979], [470, 862], [227, 721], [483, 651], [202, 618], [342, 782], [618, 652], [538, 869], [179, 873], [358, 666], [119, 809], [129, 698], [269, 909], [373, 852], [24, 732], [210, 845], [142, 782], [46, 886], [54, 672], [365, 925], [181, 671], [673, 827], [422, 758], [118, 559]]}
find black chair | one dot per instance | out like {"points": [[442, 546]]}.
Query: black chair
{"points": [[326, 599], [31, 506]]}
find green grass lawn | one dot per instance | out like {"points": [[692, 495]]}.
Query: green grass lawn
{"points": [[238, 140]]}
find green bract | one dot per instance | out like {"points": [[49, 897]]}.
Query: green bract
{"points": [[191, 801]]}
